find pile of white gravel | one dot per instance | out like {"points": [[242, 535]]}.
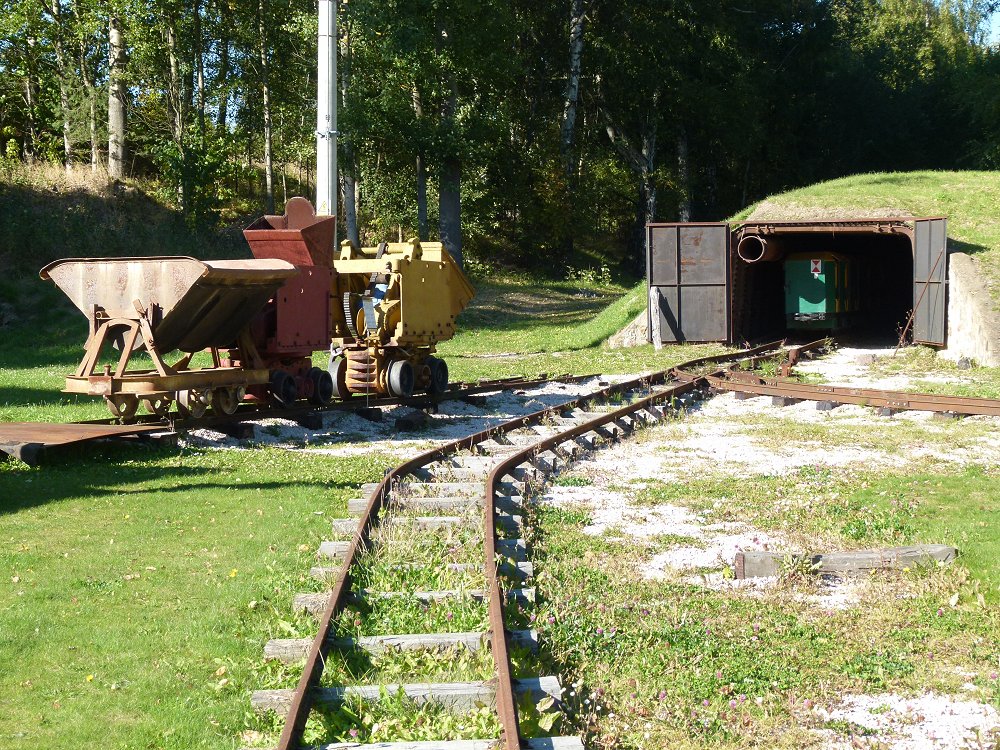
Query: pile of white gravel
{"points": [[346, 434], [920, 723]]}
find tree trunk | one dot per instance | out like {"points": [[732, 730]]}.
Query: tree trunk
{"points": [[266, 92], [450, 207], [177, 99], [423, 227], [450, 184], [349, 164], [683, 176], [223, 112], [116, 100], [642, 161], [31, 102], [89, 84], [577, 21], [54, 9], [199, 68]]}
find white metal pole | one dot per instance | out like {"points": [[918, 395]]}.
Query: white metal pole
{"points": [[326, 112]]}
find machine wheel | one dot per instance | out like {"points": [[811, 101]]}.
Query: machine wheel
{"points": [[401, 378], [225, 401], [283, 388], [337, 370], [158, 405], [439, 376], [123, 405], [322, 383], [192, 404]]}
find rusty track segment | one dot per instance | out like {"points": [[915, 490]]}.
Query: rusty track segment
{"points": [[25, 441], [28, 441], [899, 400], [302, 698]]}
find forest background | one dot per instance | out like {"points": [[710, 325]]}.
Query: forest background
{"points": [[557, 128]]}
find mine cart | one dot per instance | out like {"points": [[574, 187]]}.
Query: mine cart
{"points": [[296, 322], [396, 301], [148, 308]]}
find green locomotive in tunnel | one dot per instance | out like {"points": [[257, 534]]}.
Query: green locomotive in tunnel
{"points": [[822, 291]]}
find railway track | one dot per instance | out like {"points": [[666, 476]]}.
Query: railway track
{"points": [[470, 493], [29, 441]]}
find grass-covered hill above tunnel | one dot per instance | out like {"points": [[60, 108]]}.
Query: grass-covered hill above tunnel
{"points": [[970, 200]]}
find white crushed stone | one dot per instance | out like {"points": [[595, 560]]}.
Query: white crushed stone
{"points": [[924, 722], [347, 434], [724, 435], [713, 545], [849, 367]]}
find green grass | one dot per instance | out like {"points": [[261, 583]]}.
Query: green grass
{"points": [[137, 591], [858, 509], [671, 665]]}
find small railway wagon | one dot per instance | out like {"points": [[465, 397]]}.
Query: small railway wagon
{"points": [[822, 291]]}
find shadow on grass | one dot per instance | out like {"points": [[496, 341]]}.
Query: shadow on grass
{"points": [[509, 306], [957, 246], [100, 472], [18, 396]]}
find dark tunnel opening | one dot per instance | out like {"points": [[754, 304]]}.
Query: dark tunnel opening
{"points": [[804, 285]]}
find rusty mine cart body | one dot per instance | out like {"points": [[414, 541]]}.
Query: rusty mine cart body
{"points": [[160, 305], [380, 312]]}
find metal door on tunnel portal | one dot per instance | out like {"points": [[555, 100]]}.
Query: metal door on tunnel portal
{"points": [[930, 269], [688, 273]]}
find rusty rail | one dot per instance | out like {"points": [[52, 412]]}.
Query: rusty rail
{"points": [[302, 698], [900, 400]]}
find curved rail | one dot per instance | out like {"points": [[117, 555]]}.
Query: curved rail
{"points": [[302, 697]]}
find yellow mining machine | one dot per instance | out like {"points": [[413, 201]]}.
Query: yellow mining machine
{"points": [[393, 304]]}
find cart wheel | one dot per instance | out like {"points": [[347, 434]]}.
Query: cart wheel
{"points": [[123, 405], [192, 404], [225, 401], [322, 383], [401, 378], [158, 405], [338, 376], [439, 376], [283, 388]]}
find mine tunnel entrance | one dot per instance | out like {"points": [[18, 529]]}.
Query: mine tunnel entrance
{"points": [[808, 284], [860, 280]]}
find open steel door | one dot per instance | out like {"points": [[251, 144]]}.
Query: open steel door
{"points": [[688, 272], [930, 269]]}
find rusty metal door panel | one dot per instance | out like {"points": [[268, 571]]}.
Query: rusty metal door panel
{"points": [[930, 271], [688, 265]]}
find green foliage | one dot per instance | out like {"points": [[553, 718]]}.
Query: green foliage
{"points": [[704, 107]]}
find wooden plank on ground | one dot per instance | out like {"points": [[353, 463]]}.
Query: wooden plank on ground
{"points": [[770, 564], [535, 743]]}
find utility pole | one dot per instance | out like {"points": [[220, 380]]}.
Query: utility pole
{"points": [[326, 113]]}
